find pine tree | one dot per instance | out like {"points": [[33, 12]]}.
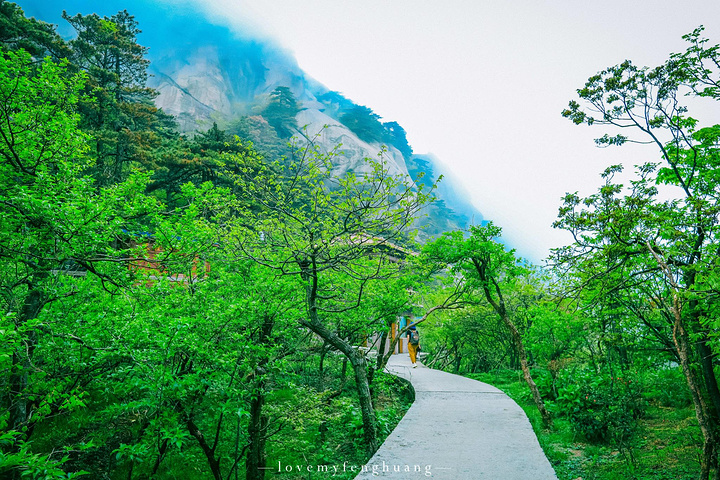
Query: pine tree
{"points": [[281, 110], [37, 38], [120, 113]]}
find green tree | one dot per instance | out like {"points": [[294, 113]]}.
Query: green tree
{"points": [[55, 225], [397, 137], [34, 36], [364, 123], [281, 110], [196, 160], [123, 353], [333, 234], [491, 272], [118, 112], [263, 137], [637, 243]]}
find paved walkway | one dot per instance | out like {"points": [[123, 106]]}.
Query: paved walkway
{"points": [[458, 429]]}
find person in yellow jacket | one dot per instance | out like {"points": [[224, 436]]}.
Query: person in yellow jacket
{"points": [[413, 344]]}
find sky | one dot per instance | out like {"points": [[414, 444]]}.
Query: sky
{"points": [[481, 84]]}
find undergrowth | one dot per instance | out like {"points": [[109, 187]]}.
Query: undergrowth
{"points": [[657, 437]]}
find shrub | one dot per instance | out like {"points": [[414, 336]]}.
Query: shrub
{"points": [[364, 123], [668, 387], [544, 381], [602, 408]]}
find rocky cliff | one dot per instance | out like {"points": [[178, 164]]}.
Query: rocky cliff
{"points": [[329, 133]]}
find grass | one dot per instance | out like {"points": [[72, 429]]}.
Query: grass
{"points": [[666, 445]]}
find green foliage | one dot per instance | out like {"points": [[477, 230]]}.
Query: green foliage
{"points": [[197, 161], [667, 387], [335, 102], [367, 126], [664, 442], [453, 250], [31, 465], [601, 407], [56, 224], [35, 37], [313, 224], [335, 235], [158, 324], [364, 123], [469, 340], [396, 136], [421, 170], [555, 334], [281, 110], [139, 337], [643, 260], [261, 135], [118, 109]]}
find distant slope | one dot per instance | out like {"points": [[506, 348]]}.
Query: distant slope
{"points": [[452, 210]]}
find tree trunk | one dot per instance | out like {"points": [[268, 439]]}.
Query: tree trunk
{"points": [[161, 454], [458, 359], [707, 358], [380, 363], [683, 348], [256, 460], [357, 361], [323, 352], [206, 448], [343, 371], [522, 357], [366, 407], [499, 307], [19, 405], [382, 353], [359, 366], [682, 344]]}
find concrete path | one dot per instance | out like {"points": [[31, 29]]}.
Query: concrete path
{"points": [[458, 429]]}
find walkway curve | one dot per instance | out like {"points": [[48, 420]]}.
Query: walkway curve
{"points": [[457, 429]]}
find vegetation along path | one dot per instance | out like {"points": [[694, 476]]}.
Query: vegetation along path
{"points": [[458, 429]]}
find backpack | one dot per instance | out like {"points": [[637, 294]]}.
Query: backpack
{"points": [[414, 337]]}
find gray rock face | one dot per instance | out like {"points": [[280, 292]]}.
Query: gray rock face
{"points": [[207, 87], [329, 134], [193, 90], [216, 83]]}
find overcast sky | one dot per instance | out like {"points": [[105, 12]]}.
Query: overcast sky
{"points": [[481, 83]]}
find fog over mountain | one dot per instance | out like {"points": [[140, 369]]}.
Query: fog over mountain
{"points": [[206, 73]]}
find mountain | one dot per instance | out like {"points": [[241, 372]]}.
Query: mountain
{"points": [[453, 208], [207, 73]]}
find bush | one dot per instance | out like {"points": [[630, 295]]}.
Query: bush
{"points": [[602, 408], [544, 381], [668, 387], [364, 123]]}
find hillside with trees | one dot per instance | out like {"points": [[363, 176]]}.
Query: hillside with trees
{"points": [[202, 303]]}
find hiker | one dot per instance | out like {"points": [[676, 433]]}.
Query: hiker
{"points": [[413, 344]]}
